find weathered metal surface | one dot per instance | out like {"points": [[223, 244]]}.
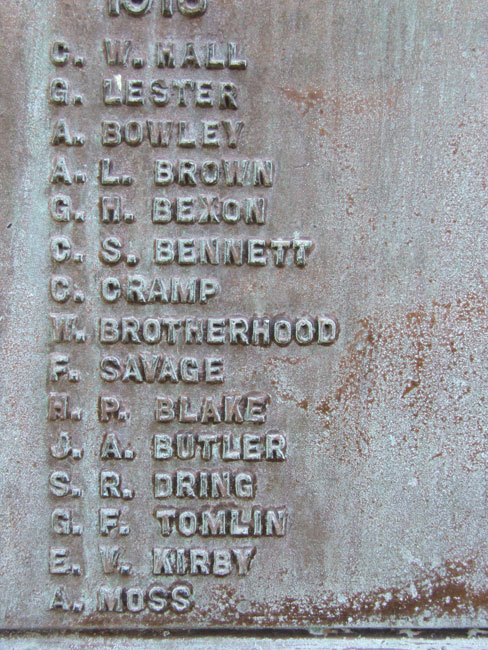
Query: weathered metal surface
{"points": [[312, 172], [54, 642]]}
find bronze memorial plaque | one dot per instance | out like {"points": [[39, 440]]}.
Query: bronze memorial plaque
{"points": [[244, 315]]}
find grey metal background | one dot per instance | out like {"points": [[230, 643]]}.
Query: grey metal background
{"points": [[123, 643], [376, 114]]}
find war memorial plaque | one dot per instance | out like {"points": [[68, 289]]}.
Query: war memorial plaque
{"points": [[243, 315]]}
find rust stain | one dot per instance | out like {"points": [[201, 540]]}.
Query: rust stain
{"points": [[305, 100], [411, 385], [407, 361], [330, 101], [445, 589]]}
